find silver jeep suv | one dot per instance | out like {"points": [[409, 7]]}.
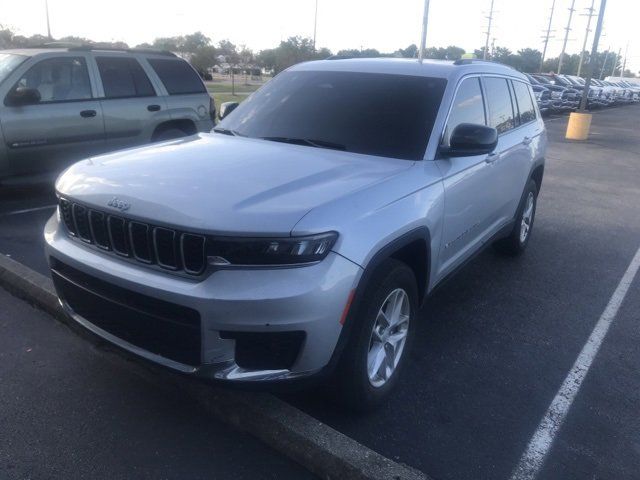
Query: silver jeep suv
{"points": [[59, 105], [303, 234]]}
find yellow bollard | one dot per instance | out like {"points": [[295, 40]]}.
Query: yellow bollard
{"points": [[578, 127]]}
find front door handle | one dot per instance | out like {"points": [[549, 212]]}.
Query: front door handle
{"points": [[492, 157], [88, 113], [153, 108], [526, 141]]}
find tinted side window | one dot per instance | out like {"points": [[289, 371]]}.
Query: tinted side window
{"points": [[123, 77], [525, 104], [499, 101], [468, 106], [178, 77], [58, 79]]}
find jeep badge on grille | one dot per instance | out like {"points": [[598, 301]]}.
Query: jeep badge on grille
{"points": [[121, 205]]}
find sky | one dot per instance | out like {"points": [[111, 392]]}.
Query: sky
{"points": [[382, 24]]}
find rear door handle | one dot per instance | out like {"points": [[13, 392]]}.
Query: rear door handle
{"points": [[153, 108], [492, 157], [88, 113], [526, 141]]}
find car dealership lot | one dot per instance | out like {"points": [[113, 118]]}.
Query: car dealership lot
{"points": [[496, 344]]}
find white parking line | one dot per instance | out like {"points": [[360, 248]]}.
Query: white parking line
{"points": [[540, 444], [27, 210]]}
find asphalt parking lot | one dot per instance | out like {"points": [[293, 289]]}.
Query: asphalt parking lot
{"points": [[495, 345]]}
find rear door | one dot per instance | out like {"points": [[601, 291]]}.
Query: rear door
{"points": [[65, 125], [511, 154], [132, 108]]}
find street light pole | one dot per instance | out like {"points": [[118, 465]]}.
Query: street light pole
{"points": [[423, 37], [594, 51], [46, 7], [315, 25]]}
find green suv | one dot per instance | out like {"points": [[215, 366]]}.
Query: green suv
{"points": [[59, 105]]}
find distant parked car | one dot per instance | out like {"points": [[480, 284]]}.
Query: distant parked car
{"points": [[58, 105]]}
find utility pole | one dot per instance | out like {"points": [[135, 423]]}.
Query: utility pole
{"points": [[486, 43], [566, 35], [315, 26], [423, 37], [590, 15], [547, 36], [616, 59], [624, 62], [594, 51], [604, 62], [46, 7]]}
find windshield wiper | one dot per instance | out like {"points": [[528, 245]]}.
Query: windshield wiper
{"points": [[227, 131], [307, 142]]}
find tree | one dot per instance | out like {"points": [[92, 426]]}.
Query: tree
{"points": [[529, 60], [410, 52], [355, 53], [289, 52]]}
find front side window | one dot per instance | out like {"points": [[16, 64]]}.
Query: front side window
{"points": [[499, 102], [8, 63], [177, 76], [123, 77], [369, 113], [525, 103], [58, 79], [468, 106]]}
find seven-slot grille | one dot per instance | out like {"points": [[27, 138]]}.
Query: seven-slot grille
{"points": [[165, 247]]}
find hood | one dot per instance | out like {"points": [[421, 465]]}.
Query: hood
{"points": [[220, 184]]}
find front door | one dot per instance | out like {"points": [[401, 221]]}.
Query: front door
{"points": [[64, 126]]}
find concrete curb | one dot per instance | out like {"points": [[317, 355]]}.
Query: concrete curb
{"points": [[316, 446]]}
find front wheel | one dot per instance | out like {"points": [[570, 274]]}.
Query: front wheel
{"points": [[518, 239], [381, 336]]}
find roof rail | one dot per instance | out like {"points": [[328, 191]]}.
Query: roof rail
{"points": [[471, 61], [74, 46]]}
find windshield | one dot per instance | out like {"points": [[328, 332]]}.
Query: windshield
{"points": [[9, 61], [542, 79], [370, 113]]}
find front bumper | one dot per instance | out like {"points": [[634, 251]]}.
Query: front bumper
{"points": [[307, 299]]}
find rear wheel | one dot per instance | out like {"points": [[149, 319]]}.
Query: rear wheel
{"points": [[381, 337], [518, 239]]}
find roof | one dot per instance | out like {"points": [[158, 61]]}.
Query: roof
{"points": [[410, 66]]}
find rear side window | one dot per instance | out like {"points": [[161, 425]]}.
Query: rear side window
{"points": [[525, 104], [178, 77], [123, 77], [499, 102], [468, 106]]}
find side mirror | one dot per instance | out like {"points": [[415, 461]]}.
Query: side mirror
{"points": [[22, 96], [469, 139], [226, 108]]}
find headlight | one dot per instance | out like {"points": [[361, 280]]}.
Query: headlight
{"points": [[556, 94], [270, 251]]}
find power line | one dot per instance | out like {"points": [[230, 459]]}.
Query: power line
{"points": [[488, 32], [566, 35], [590, 15], [548, 36]]}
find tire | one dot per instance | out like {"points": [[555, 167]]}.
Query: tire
{"points": [[516, 242], [168, 134], [358, 390]]}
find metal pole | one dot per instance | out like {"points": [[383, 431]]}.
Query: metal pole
{"points": [[486, 43], [315, 25], [624, 63], [606, 57], [546, 40], [594, 51], [586, 36], [423, 37], [616, 59], [46, 7], [566, 36]]}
